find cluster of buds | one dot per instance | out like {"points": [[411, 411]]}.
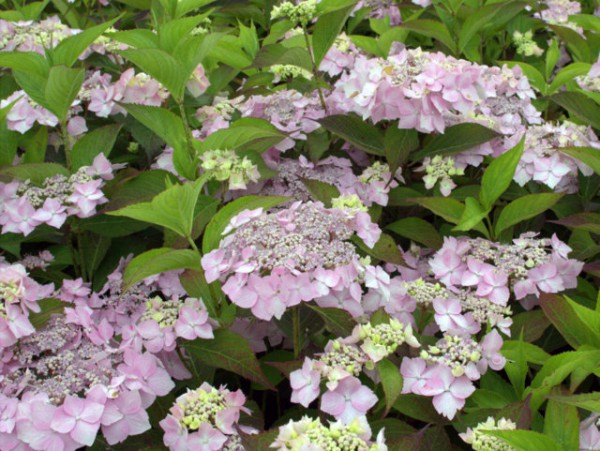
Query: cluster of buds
{"points": [[205, 418], [284, 72], [273, 261], [525, 44], [480, 441], [442, 169], [25, 206], [307, 433], [301, 14], [226, 165]]}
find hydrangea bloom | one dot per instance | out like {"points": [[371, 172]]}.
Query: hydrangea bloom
{"points": [[312, 434], [25, 206], [479, 441], [273, 261], [19, 294], [66, 388], [204, 419]]}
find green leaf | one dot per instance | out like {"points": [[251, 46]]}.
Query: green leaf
{"points": [[230, 352], [578, 46], [587, 401], [580, 106], [567, 74], [36, 172], [516, 349], [174, 31], [419, 408], [391, 381], [497, 177], [552, 57], [36, 147], [432, 29], [557, 368], [563, 315], [398, 144], [487, 15], [456, 139], [214, 229], [472, 215], [100, 140], [140, 187], [524, 208], [321, 191], [562, 424], [418, 230], [326, 30], [173, 208], [160, 66], [61, 89], [385, 249], [587, 155], [338, 322], [93, 249], [25, 61], [272, 54], [243, 134], [526, 440], [170, 128], [196, 286], [48, 307], [532, 324], [354, 130], [71, 48], [156, 261], [186, 6], [448, 208], [139, 38]]}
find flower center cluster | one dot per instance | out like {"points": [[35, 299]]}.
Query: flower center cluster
{"points": [[201, 406]]}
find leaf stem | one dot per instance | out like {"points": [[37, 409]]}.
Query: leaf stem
{"points": [[314, 68], [296, 326]]}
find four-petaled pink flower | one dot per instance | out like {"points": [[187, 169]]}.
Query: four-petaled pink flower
{"points": [[80, 418], [349, 400], [449, 393]]}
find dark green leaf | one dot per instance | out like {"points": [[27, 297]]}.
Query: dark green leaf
{"points": [[157, 261], [499, 174], [456, 139], [418, 230], [524, 208], [354, 130], [100, 140]]}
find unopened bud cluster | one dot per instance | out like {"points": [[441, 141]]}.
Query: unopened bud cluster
{"points": [[226, 165], [480, 441]]}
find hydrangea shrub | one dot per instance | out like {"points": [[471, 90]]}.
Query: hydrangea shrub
{"points": [[299, 225]]}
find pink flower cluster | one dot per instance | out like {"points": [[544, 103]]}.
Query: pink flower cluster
{"points": [[23, 206], [130, 88], [445, 371], [381, 9], [25, 113], [158, 328], [589, 433], [273, 261], [429, 91], [528, 266], [340, 365], [205, 419], [557, 12], [58, 389], [543, 162], [308, 434], [30, 36], [19, 294]]}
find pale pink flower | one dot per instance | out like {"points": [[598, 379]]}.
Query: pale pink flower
{"points": [[80, 418], [449, 393], [305, 384], [349, 400]]}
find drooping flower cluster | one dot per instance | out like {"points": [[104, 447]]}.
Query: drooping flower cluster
{"points": [[543, 161], [205, 419], [309, 434], [19, 294], [382, 9], [63, 389], [340, 57], [228, 166], [525, 44], [480, 441], [24, 206], [341, 364], [440, 169], [429, 91], [273, 261], [591, 81]]}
